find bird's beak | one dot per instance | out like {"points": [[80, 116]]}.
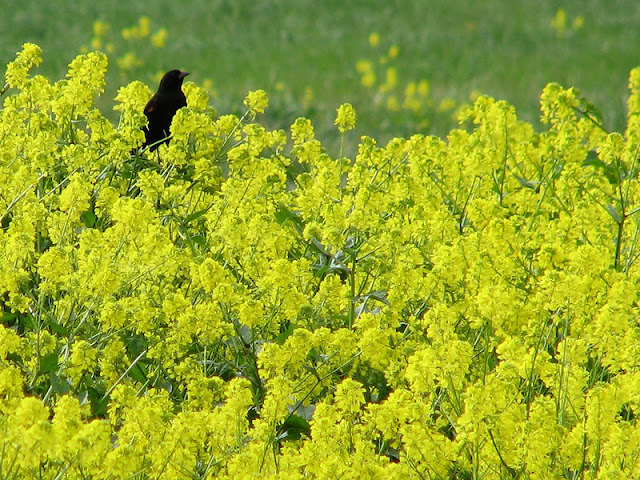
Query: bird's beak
{"points": [[183, 74]]}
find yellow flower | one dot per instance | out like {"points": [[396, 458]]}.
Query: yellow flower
{"points": [[302, 130], [559, 22], [143, 26], [578, 23], [391, 80], [83, 359], [9, 341], [446, 104], [345, 118], [129, 61], [374, 39], [139, 31], [368, 79], [18, 70], [100, 28], [308, 97], [392, 103], [159, 38], [256, 101], [75, 197], [29, 431], [349, 397], [363, 66]]}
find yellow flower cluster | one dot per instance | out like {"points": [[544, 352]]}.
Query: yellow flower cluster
{"points": [[136, 39], [412, 102], [18, 70], [560, 23], [346, 118], [244, 305], [257, 102]]}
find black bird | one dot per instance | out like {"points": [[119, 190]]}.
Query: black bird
{"points": [[162, 107]]}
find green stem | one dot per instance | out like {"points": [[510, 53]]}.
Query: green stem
{"points": [[340, 165]]}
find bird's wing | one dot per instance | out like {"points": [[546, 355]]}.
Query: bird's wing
{"points": [[151, 106]]}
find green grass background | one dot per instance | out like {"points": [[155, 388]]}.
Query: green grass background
{"points": [[504, 48]]}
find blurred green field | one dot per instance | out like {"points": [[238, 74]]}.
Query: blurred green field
{"points": [[304, 53]]}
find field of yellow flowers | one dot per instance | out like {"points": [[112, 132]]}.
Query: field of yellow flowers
{"points": [[246, 305]]}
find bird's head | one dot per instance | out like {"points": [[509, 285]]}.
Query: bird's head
{"points": [[172, 80]]}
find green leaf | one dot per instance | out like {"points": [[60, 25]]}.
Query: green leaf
{"points": [[27, 322], [57, 328], [49, 363], [88, 218], [60, 385], [195, 215], [306, 412], [380, 295], [138, 372], [199, 239], [609, 171], [283, 215], [614, 213], [280, 339], [532, 184], [293, 428], [98, 402], [7, 317], [136, 344]]}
